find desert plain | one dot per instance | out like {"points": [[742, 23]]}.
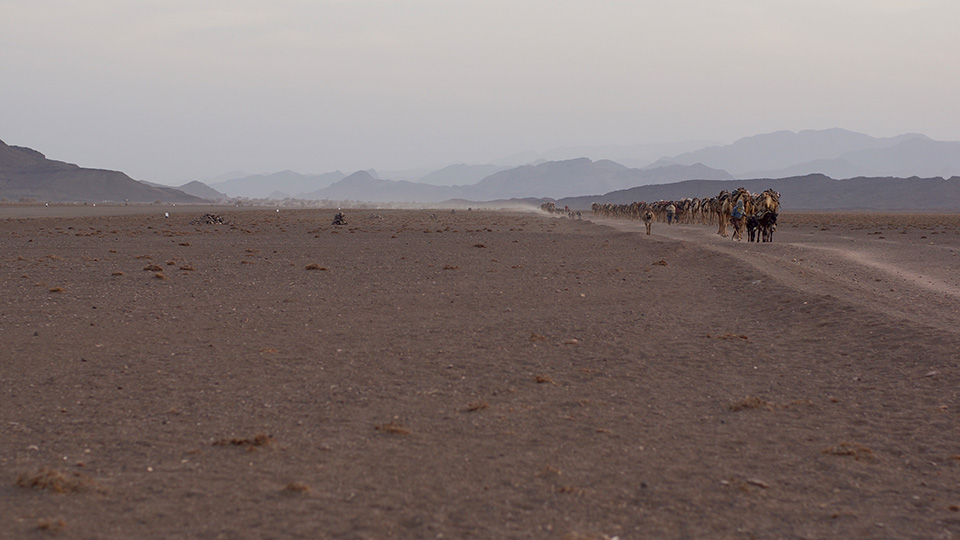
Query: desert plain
{"points": [[477, 374]]}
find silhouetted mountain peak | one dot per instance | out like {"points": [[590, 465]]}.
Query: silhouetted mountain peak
{"points": [[359, 176], [199, 189]]}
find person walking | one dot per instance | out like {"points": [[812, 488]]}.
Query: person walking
{"points": [[736, 217]]}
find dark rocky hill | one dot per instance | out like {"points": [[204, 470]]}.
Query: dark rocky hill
{"points": [[28, 174]]}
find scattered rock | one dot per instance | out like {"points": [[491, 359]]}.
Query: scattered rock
{"points": [[209, 219], [393, 427], [477, 406], [258, 440], [758, 483], [854, 450], [58, 481], [750, 402], [297, 487], [51, 524]]}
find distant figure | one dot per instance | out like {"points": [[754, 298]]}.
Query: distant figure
{"points": [[648, 220], [737, 218], [339, 219], [737, 210], [671, 210]]}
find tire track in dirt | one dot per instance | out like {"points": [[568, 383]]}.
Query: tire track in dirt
{"points": [[854, 273], [924, 281]]}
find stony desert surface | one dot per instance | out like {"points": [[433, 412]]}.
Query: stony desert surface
{"points": [[428, 374]]}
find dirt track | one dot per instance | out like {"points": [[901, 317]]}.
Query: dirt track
{"points": [[478, 374], [903, 263]]}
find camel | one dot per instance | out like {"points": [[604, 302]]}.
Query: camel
{"points": [[768, 201], [720, 205], [753, 229], [648, 220], [767, 221], [760, 212], [740, 194]]}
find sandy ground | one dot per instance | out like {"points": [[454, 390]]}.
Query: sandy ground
{"points": [[477, 375]]}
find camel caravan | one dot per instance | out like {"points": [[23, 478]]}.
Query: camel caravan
{"points": [[552, 208], [755, 214]]}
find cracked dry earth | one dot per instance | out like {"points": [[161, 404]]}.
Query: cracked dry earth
{"points": [[422, 374]]}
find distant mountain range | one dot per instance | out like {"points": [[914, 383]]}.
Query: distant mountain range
{"points": [[563, 178], [834, 153], [578, 176], [363, 186], [636, 155], [461, 174], [28, 174], [289, 183]]}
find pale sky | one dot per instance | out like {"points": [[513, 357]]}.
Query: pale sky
{"points": [[174, 90]]}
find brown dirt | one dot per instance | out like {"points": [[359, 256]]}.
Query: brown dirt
{"points": [[477, 375]]}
